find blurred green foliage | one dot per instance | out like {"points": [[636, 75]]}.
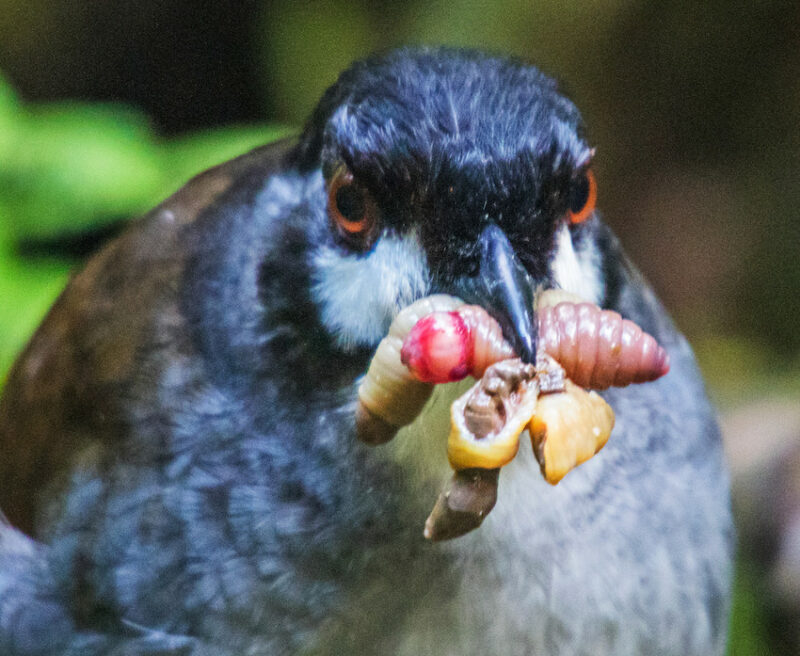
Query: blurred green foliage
{"points": [[66, 168], [748, 633]]}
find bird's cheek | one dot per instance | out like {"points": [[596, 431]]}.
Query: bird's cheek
{"points": [[577, 270], [359, 295]]}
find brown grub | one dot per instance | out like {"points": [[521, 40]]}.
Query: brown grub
{"points": [[497, 396], [463, 504]]}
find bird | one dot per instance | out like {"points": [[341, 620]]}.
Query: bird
{"points": [[181, 472]]}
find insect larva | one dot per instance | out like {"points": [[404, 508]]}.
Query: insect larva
{"points": [[486, 422], [463, 504], [597, 348], [438, 339], [568, 428], [389, 396], [444, 347]]}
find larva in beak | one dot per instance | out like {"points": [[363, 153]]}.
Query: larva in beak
{"points": [[486, 421], [568, 428], [445, 347], [390, 396], [567, 425], [597, 348], [439, 339]]}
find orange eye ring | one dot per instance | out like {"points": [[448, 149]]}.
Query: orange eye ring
{"points": [[350, 207], [583, 198]]}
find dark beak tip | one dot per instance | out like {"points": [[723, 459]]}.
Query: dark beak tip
{"points": [[527, 348], [504, 288]]}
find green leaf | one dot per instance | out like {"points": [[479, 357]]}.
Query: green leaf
{"points": [[72, 167], [9, 108]]}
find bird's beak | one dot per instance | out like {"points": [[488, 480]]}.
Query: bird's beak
{"points": [[506, 290]]}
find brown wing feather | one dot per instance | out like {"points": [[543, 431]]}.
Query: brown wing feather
{"points": [[64, 393]]}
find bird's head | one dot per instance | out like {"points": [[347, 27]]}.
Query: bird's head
{"points": [[452, 172]]}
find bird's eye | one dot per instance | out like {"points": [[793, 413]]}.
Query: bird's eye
{"points": [[582, 197], [351, 208]]}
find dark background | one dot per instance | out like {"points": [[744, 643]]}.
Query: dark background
{"points": [[694, 108]]}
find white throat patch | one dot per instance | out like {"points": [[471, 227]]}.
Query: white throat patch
{"points": [[577, 271], [361, 294]]}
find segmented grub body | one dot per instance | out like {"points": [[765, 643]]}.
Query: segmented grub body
{"points": [[597, 348], [390, 396], [566, 423], [568, 428], [439, 339], [444, 347], [486, 422]]}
